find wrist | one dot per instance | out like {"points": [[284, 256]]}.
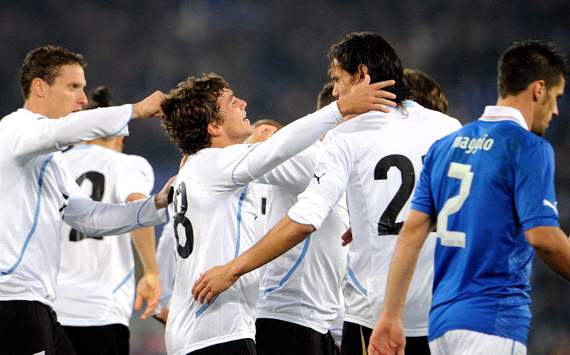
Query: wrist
{"points": [[160, 202]]}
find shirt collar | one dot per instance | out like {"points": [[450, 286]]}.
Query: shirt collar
{"points": [[503, 113]]}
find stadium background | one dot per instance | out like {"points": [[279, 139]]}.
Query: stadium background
{"points": [[274, 55]]}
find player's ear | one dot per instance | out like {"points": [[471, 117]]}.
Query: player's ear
{"points": [[38, 87], [538, 90], [214, 130], [362, 71]]}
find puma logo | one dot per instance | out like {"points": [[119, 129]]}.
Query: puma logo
{"points": [[547, 203], [318, 177]]}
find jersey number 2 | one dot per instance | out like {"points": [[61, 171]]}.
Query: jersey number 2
{"points": [[387, 224], [453, 205], [180, 219], [97, 190]]}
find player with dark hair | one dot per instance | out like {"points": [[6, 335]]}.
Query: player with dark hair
{"points": [[215, 213], [96, 281], [489, 189], [375, 158], [425, 91], [38, 191]]}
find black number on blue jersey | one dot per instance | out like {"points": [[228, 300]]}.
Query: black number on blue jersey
{"points": [[387, 224], [98, 189], [180, 219]]}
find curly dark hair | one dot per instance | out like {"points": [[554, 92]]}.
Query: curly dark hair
{"points": [[425, 91], [44, 63], [373, 51], [188, 110]]}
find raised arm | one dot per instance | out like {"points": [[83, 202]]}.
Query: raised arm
{"points": [[300, 134], [48, 135]]}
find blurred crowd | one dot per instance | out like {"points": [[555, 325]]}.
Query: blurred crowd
{"points": [[274, 55]]}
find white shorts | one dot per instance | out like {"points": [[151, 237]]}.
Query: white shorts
{"points": [[468, 342]]}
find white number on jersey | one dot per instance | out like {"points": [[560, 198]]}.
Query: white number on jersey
{"points": [[453, 205]]}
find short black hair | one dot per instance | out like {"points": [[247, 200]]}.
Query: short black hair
{"points": [[44, 63], [100, 97], [425, 91], [326, 95], [528, 61], [373, 51]]}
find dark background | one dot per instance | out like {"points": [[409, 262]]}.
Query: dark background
{"points": [[274, 55]]}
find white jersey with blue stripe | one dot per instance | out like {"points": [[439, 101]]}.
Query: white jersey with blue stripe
{"points": [[486, 184], [303, 286], [215, 222], [37, 189], [96, 281], [376, 159]]}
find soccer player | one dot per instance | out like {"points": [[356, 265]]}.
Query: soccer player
{"points": [[37, 191], [489, 189], [300, 292], [376, 158], [214, 211], [425, 91], [96, 285]]}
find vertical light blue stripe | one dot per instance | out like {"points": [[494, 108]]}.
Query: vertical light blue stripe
{"points": [[513, 348], [239, 162], [289, 273], [124, 280], [43, 168], [242, 196], [354, 279]]}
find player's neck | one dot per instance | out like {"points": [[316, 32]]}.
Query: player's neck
{"points": [[521, 103], [224, 141], [37, 107]]}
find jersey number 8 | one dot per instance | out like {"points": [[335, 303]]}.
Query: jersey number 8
{"points": [[180, 219]]}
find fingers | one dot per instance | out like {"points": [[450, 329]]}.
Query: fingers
{"points": [[150, 307], [138, 302], [198, 286], [383, 84]]}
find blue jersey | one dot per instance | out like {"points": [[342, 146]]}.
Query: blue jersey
{"points": [[486, 183]]}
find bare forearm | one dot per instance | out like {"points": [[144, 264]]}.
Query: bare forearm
{"points": [[282, 237], [144, 242], [553, 247]]}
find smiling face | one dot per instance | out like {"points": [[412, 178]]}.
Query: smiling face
{"points": [[547, 108], [66, 94], [236, 127]]}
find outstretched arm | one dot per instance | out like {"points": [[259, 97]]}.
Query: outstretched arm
{"points": [[50, 135], [285, 235], [388, 335]]}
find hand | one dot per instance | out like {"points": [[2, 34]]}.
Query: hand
{"points": [[161, 198], [148, 289], [365, 97], [346, 237], [162, 316], [387, 338], [213, 282], [150, 106]]}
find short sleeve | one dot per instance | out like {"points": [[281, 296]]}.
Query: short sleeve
{"points": [[134, 175], [423, 197], [535, 196], [328, 185]]}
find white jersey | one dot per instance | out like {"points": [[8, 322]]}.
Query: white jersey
{"points": [[166, 264], [377, 158], [215, 222], [36, 186], [303, 286], [96, 281]]}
